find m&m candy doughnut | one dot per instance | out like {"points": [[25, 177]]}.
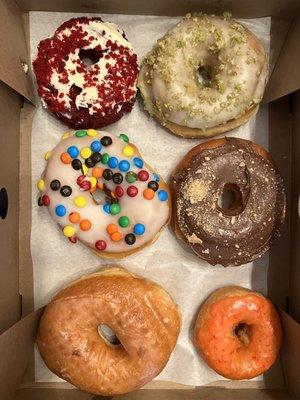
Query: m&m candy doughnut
{"points": [[86, 74], [100, 191]]}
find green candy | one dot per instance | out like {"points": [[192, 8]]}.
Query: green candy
{"points": [[124, 137], [124, 221], [80, 133], [131, 177], [114, 208], [105, 158]]}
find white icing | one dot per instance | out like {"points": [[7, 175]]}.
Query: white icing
{"points": [[152, 213], [172, 83], [88, 98]]}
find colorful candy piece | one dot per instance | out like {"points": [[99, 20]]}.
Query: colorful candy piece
{"points": [[130, 239], [105, 158], [80, 201], [118, 178], [47, 155], [66, 191], [138, 162], [124, 221], [68, 231], [85, 224], [128, 151], [74, 217], [80, 133], [85, 152], [119, 191], [153, 185], [148, 194], [65, 158], [91, 132], [130, 177], [76, 164], [55, 184], [139, 229], [106, 208], [111, 228], [106, 141], [45, 200], [162, 195], [41, 185], [116, 237], [124, 137], [115, 208], [60, 210], [73, 151], [100, 245], [143, 175], [132, 191], [96, 146], [97, 172], [124, 165], [113, 162]]}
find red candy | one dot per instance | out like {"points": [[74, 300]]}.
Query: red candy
{"points": [[119, 191], [73, 239], [132, 191], [46, 200], [80, 179], [85, 185], [100, 245], [143, 175]]}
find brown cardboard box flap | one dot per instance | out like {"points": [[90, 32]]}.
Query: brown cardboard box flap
{"points": [[290, 354], [15, 349], [240, 9], [13, 50], [285, 78]]}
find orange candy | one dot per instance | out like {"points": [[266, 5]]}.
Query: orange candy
{"points": [[148, 194], [92, 190], [111, 229], [74, 217], [116, 237], [99, 185], [97, 172], [65, 158], [85, 224]]}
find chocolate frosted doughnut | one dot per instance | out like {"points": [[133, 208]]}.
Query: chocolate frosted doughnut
{"points": [[238, 172]]}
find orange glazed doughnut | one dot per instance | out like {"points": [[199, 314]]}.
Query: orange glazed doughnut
{"points": [[238, 332]]}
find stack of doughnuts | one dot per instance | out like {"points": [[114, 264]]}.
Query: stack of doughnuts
{"points": [[112, 332]]}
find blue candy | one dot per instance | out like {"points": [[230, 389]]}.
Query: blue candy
{"points": [[106, 208], [124, 165], [162, 195], [138, 162], [155, 177], [96, 146], [73, 151], [113, 162], [60, 210], [139, 229]]}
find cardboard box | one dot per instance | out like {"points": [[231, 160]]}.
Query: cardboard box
{"points": [[18, 322]]}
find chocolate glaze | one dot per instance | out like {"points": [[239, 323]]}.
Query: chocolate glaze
{"points": [[242, 232]]}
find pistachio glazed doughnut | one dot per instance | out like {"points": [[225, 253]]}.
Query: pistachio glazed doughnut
{"points": [[206, 76], [100, 191]]}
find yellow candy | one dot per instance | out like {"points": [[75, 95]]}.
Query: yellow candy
{"points": [[80, 201], [41, 185], [68, 231], [91, 132], [65, 135], [47, 155], [84, 169], [85, 152], [93, 181], [128, 151]]}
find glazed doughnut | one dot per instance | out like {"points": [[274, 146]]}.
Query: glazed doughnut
{"points": [[83, 95], [241, 230], [74, 345], [99, 190], [238, 333], [206, 76]]}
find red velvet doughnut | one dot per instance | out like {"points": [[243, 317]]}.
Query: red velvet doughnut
{"points": [[82, 95]]}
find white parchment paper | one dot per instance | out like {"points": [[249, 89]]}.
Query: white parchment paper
{"points": [[187, 278]]}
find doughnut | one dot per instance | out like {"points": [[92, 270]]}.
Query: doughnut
{"points": [[109, 333], [238, 332], [100, 191], [86, 73], [228, 201], [206, 76]]}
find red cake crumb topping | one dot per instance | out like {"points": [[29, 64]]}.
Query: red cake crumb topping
{"points": [[82, 95]]}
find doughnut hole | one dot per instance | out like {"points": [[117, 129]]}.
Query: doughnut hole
{"points": [[91, 56], [108, 335], [205, 75], [242, 332], [230, 202]]}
